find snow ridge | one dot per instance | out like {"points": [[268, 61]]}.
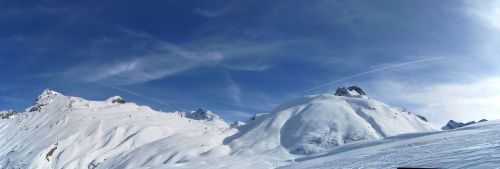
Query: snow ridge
{"points": [[69, 132], [45, 98]]}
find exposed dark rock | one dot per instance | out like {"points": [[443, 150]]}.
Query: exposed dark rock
{"points": [[201, 114], [118, 100], [353, 91], [453, 125], [6, 114], [469, 123], [45, 98], [237, 124], [422, 118]]}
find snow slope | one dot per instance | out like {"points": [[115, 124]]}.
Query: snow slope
{"points": [[474, 146], [318, 123], [318, 131], [62, 131]]}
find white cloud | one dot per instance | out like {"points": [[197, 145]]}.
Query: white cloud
{"points": [[138, 57], [245, 67], [233, 89], [487, 11], [440, 102]]}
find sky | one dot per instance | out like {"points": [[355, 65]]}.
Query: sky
{"points": [[241, 57]]}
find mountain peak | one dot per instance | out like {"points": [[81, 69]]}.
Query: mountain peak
{"points": [[353, 91], [202, 114], [453, 124], [48, 92], [116, 99], [45, 98]]}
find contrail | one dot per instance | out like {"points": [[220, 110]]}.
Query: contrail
{"points": [[134, 93], [371, 71]]}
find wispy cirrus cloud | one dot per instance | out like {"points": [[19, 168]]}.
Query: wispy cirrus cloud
{"points": [[147, 58], [233, 89]]}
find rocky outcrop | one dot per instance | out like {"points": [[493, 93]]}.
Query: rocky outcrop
{"points": [[117, 100], [353, 91], [7, 114], [45, 98], [453, 124]]}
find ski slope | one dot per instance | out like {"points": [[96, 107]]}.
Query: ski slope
{"points": [[475, 146]]}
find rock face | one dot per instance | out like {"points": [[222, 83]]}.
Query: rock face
{"points": [[7, 114], [237, 124], [116, 100], [353, 91], [201, 114], [205, 115], [453, 124], [45, 98]]}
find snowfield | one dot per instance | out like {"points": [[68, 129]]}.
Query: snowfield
{"points": [[346, 130], [475, 146]]}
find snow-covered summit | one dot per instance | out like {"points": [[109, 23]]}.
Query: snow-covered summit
{"points": [[69, 132], [116, 99], [453, 124], [204, 115], [353, 91], [45, 98], [318, 123]]}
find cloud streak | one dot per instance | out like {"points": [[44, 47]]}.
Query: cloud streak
{"points": [[233, 89], [367, 72], [144, 58], [135, 94]]}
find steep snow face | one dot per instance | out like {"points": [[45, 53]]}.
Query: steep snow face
{"points": [[68, 132], [320, 122]]}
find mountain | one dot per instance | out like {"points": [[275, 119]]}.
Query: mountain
{"points": [[353, 91], [475, 147], [318, 123], [61, 131], [7, 114], [453, 124]]}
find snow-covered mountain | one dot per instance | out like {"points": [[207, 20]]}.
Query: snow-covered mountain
{"points": [[61, 131], [6, 114], [453, 124], [321, 122], [476, 146], [69, 132]]}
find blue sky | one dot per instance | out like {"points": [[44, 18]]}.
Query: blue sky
{"points": [[238, 58]]}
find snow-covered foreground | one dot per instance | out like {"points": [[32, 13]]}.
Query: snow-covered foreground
{"points": [[346, 130], [475, 146]]}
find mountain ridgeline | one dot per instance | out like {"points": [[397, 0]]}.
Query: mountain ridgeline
{"points": [[60, 131]]}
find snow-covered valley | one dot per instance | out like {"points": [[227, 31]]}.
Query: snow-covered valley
{"points": [[345, 130]]}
